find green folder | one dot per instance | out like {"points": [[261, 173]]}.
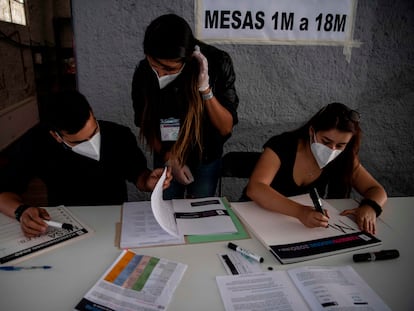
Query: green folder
{"points": [[240, 234]]}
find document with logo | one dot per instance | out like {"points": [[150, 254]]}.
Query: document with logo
{"points": [[15, 247], [290, 241], [191, 216]]}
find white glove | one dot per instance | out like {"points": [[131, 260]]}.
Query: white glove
{"points": [[203, 77], [181, 173]]}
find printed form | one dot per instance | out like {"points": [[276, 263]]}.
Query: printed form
{"points": [[321, 288]]}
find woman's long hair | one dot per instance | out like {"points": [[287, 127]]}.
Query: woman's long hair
{"points": [[170, 37], [338, 116]]}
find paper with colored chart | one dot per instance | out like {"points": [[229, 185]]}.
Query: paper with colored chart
{"points": [[134, 282]]}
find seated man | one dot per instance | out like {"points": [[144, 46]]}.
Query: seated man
{"points": [[82, 161]]}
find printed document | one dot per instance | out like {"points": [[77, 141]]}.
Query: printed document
{"points": [[321, 288], [15, 247], [190, 216], [140, 228], [290, 241], [134, 282]]}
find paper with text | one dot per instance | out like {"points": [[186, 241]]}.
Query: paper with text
{"points": [[260, 292], [202, 216], [190, 216], [134, 282], [305, 288], [15, 247], [335, 288], [140, 228]]}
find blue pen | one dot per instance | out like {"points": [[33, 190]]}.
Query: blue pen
{"points": [[17, 268]]}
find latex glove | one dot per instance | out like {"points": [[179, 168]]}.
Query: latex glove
{"points": [[181, 173], [203, 77]]}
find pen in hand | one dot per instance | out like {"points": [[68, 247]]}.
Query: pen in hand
{"points": [[56, 224], [316, 200]]}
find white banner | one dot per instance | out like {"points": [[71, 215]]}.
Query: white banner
{"points": [[315, 22]]}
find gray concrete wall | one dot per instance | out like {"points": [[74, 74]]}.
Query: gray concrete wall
{"points": [[280, 87]]}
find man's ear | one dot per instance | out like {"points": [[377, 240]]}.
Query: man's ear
{"points": [[56, 136]]}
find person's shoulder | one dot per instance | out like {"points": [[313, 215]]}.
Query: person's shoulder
{"points": [[211, 51], [112, 126], [36, 139], [281, 137], [35, 135], [141, 67], [116, 131]]}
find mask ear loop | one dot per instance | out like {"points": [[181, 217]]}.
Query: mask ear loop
{"points": [[64, 143], [312, 138]]}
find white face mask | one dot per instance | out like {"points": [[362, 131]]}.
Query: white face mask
{"points": [[323, 154], [90, 148], [167, 79]]}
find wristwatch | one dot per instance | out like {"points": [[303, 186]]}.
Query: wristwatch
{"points": [[20, 210]]}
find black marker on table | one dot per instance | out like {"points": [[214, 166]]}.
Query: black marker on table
{"points": [[381, 255], [244, 252]]}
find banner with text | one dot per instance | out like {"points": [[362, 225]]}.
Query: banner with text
{"points": [[315, 22]]}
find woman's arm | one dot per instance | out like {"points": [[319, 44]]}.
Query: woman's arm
{"points": [[220, 117], [260, 191], [371, 189]]}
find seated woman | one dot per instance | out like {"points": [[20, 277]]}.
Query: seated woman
{"points": [[322, 154]]}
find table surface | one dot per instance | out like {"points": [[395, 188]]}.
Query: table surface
{"points": [[77, 266]]}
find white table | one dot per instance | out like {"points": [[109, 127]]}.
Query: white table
{"points": [[76, 267]]}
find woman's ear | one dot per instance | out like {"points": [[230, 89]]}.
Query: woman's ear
{"points": [[311, 131]]}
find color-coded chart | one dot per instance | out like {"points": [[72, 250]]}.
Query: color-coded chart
{"points": [[135, 281]]}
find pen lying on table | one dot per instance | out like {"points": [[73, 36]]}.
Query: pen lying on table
{"points": [[17, 268]]}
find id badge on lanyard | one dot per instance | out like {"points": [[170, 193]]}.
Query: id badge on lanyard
{"points": [[169, 129]]}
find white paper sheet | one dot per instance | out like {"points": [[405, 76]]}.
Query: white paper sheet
{"points": [[162, 209], [203, 216], [335, 288], [135, 282], [140, 228], [320, 288], [260, 292]]}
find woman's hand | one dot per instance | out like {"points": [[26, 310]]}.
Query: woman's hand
{"points": [[180, 172], [203, 78], [365, 217], [313, 219], [155, 175]]}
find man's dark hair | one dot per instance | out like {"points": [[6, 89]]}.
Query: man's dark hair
{"points": [[66, 111]]}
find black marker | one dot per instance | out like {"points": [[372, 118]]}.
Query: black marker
{"points": [[244, 252], [381, 255], [56, 224], [316, 200]]}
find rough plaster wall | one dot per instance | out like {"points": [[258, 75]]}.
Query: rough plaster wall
{"points": [[280, 87], [16, 69]]}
